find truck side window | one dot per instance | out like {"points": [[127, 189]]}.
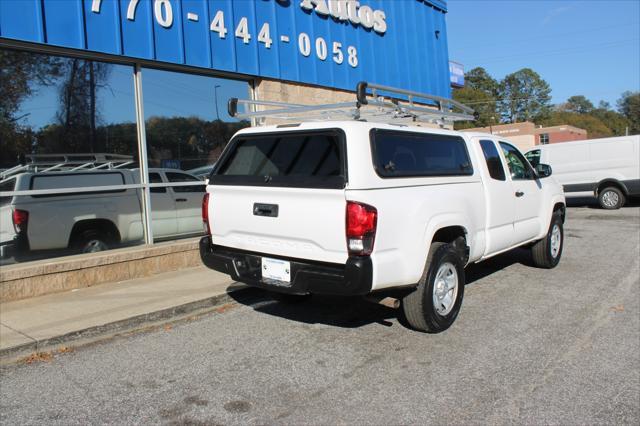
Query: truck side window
{"points": [[518, 165], [413, 154], [496, 171], [533, 157], [183, 177], [155, 178]]}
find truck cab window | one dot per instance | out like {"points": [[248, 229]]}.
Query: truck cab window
{"points": [[518, 165], [155, 178], [494, 164]]}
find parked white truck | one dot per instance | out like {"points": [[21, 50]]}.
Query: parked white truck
{"points": [[607, 169], [359, 207], [84, 222]]}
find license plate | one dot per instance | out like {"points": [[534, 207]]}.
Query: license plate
{"points": [[277, 270]]}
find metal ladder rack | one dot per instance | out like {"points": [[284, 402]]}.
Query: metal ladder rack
{"points": [[374, 102], [40, 163]]}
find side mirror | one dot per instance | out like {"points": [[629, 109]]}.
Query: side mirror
{"points": [[543, 170]]}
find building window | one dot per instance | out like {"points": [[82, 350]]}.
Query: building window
{"points": [[67, 127], [187, 127], [544, 138]]}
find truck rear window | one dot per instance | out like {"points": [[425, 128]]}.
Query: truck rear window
{"points": [[293, 159], [412, 154]]}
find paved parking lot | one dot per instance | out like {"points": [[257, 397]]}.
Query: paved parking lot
{"points": [[530, 346]]}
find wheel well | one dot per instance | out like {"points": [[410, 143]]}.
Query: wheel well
{"points": [[455, 235], [449, 234], [604, 184], [560, 207], [101, 225]]}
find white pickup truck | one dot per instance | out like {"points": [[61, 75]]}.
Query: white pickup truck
{"points": [[356, 207], [41, 224]]}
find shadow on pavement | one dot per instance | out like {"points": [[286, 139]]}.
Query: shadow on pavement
{"points": [[592, 202], [345, 312], [353, 312]]}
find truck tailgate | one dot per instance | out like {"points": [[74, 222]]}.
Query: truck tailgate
{"points": [[284, 222]]}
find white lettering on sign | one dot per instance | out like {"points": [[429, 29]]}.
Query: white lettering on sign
{"points": [[346, 10], [350, 10]]}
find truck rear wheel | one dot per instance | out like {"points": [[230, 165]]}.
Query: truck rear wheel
{"points": [[611, 198], [547, 252], [91, 241], [434, 305]]}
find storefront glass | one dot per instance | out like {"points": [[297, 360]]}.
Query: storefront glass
{"points": [[187, 126]]}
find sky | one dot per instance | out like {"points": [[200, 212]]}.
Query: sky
{"points": [[588, 47]]}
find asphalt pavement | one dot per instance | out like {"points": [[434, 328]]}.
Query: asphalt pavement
{"points": [[533, 346]]}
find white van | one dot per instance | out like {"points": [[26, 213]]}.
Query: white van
{"points": [[608, 168]]}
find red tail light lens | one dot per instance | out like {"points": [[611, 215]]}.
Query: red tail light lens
{"points": [[362, 221], [20, 220], [205, 213]]}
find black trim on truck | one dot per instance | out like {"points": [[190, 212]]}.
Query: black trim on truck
{"points": [[351, 279]]}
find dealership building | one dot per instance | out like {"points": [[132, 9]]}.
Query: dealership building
{"points": [[137, 90]]}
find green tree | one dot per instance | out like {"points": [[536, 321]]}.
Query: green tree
{"points": [[615, 121], [594, 126], [524, 96], [482, 103], [578, 104], [478, 78], [629, 106], [480, 93]]}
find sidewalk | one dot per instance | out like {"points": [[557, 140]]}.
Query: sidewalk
{"points": [[37, 323]]}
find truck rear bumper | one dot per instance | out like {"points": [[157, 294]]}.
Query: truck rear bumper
{"points": [[353, 278]]}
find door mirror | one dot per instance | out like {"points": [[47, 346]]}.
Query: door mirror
{"points": [[543, 170]]}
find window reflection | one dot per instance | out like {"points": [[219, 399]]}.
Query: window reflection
{"points": [[187, 127], [66, 124]]}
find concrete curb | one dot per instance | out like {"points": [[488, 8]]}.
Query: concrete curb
{"points": [[109, 330]]}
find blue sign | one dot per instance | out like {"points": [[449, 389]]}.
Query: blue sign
{"points": [[333, 43], [456, 71], [170, 164]]}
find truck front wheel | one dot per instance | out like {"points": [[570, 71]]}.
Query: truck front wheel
{"points": [[434, 305], [547, 252]]}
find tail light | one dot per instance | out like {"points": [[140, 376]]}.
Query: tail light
{"points": [[205, 213], [20, 220], [362, 221]]}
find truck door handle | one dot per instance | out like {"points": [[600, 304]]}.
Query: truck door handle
{"points": [[181, 200], [519, 193]]}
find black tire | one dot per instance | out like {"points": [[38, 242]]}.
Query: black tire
{"points": [[290, 299], [91, 241], [611, 198], [418, 306], [544, 252]]}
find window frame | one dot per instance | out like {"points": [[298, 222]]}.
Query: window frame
{"points": [[384, 175], [486, 160]]}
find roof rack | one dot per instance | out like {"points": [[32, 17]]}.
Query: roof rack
{"points": [[373, 102], [41, 163]]}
